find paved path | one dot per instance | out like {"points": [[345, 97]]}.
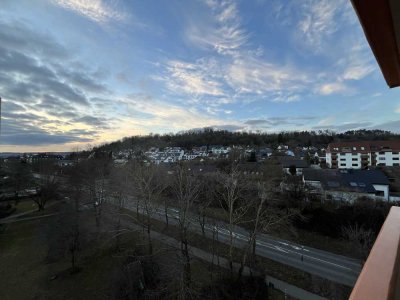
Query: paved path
{"points": [[337, 268], [285, 287], [26, 212], [26, 219]]}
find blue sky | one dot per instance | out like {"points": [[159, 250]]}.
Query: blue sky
{"points": [[79, 72]]}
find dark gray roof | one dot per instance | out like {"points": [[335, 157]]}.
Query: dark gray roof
{"points": [[298, 163], [349, 180]]}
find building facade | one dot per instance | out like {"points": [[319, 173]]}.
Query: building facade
{"points": [[363, 154]]}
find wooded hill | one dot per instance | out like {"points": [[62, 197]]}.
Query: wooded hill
{"points": [[208, 136]]}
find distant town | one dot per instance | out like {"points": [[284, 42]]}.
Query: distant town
{"points": [[340, 171]]}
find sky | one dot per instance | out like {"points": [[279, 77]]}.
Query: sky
{"points": [[79, 73]]}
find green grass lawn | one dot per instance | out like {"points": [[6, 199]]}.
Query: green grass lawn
{"points": [[24, 206], [21, 256]]}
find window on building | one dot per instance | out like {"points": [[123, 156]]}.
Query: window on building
{"points": [[342, 165], [342, 159], [395, 153], [355, 165], [395, 158], [381, 152], [354, 148], [354, 159], [382, 158], [396, 164], [362, 148]]}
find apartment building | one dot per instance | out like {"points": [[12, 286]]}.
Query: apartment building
{"points": [[363, 154]]}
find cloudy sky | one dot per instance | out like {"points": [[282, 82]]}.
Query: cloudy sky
{"points": [[78, 72]]}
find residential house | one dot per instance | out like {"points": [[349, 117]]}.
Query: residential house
{"points": [[347, 184], [363, 154], [289, 162]]}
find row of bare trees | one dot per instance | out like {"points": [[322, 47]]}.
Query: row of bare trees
{"points": [[150, 189]]}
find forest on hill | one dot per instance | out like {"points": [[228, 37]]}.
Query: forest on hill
{"points": [[208, 136]]}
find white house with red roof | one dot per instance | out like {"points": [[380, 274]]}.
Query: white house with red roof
{"points": [[363, 154]]}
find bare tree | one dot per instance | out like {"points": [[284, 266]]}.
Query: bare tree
{"points": [[20, 176], [186, 189], [48, 187], [266, 216], [257, 222], [148, 187], [232, 186], [101, 168], [92, 180], [119, 188], [206, 197], [361, 238], [74, 247]]}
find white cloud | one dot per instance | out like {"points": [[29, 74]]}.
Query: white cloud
{"points": [[320, 19], [254, 75], [397, 110], [96, 10], [162, 115], [331, 88], [357, 72], [223, 34], [197, 78], [357, 63]]}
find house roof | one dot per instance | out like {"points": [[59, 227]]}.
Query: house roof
{"points": [[361, 181], [380, 21], [287, 162]]}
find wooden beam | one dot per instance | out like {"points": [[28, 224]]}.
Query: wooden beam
{"points": [[376, 18]]}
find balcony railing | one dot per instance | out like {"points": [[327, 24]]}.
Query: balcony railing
{"points": [[379, 278]]}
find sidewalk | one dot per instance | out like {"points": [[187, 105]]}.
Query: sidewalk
{"points": [[26, 213], [3, 221]]}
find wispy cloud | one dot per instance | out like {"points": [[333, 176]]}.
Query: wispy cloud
{"points": [[320, 19], [151, 114], [250, 74], [193, 78], [96, 10], [224, 34]]}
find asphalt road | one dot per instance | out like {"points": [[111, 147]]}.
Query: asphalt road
{"points": [[337, 268]]}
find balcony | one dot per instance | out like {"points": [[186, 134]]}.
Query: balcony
{"points": [[379, 278]]}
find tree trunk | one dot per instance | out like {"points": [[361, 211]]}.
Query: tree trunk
{"points": [[185, 252], [166, 211], [149, 237]]}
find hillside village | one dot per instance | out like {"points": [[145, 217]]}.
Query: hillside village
{"points": [[343, 171]]}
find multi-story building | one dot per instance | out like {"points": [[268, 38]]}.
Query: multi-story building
{"points": [[363, 154]]}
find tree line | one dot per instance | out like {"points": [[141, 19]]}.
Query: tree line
{"points": [[209, 136]]}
